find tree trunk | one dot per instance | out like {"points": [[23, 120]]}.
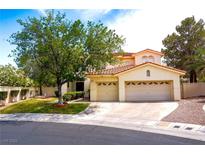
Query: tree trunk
{"points": [[193, 76], [59, 92], [40, 88]]}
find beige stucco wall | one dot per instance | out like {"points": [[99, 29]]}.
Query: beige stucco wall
{"points": [[139, 57], [157, 74], [49, 91], [193, 89], [128, 61], [87, 87]]}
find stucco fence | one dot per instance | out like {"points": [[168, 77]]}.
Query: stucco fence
{"points": [[193, 89], [14, 94]]}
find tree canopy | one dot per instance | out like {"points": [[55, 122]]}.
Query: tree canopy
{"points": [[64, 50], [10, 76], [182, 48]]}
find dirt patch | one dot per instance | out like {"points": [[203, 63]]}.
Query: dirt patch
{"points": [[189, 111]]}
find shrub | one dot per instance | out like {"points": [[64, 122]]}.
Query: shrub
{"points": [[79, 94], [67, 97], [3, 95], [73, 95]]}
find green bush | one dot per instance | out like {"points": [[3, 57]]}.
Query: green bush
{"points": [[73, 95], [3, 95], [79, 94], [67, 97]]}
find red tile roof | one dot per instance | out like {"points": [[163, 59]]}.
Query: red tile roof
{"points": [[124, 68], [134, 53], [124, 54], [112, 71]]}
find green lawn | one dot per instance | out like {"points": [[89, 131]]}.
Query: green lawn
{"points": [[43, 106]]}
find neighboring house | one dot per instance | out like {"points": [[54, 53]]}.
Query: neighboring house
{"points": [[141, 77]]}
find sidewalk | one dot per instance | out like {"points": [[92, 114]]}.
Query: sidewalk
{"points": [[89, 118]]}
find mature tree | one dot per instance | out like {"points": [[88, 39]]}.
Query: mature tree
{"points": [[182, 46], [64, 49], [39, 75], [200, 64], [10, 76]]}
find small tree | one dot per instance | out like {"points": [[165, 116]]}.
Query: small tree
{"points": [[182, 47], [64, 49]]}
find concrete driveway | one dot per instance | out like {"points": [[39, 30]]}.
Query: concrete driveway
{"points": [[133, 112]]}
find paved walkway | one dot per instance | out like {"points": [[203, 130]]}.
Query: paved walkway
{"points": [[94, 116]]}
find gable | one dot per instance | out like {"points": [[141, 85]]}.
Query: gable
{"points": [[149, 51], [156, 73]]}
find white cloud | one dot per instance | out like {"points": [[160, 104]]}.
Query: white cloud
{"points": [[147, 26], [92, 14]]}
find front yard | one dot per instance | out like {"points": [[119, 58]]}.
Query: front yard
{"points": [[37, 105]]}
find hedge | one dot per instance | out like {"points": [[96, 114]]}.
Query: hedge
{"points": [[73, 95]]}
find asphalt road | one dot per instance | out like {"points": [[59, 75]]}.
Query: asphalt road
{"points": [[73, 134]]}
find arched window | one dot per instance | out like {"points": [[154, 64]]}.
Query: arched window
{"points": [[144, 59], [147, 59], [151, 59], [148, 73]]}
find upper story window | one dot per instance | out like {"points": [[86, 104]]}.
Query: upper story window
{"points": [[144, 59], [151, 59], [147, 59], [148, 73]]}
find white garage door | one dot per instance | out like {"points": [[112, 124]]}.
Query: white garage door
{"points": [[148, 91], [107, 91]]}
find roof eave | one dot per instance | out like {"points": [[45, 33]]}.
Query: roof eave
{"points": [[180, 72]]}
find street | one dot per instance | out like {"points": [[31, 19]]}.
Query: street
{"points": [[41, 133]]}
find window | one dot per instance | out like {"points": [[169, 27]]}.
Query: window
{"points": [[144, 59], [148, 73], [147, 59], [151, 59]]}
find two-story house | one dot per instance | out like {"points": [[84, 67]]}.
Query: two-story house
{"points": [[141, 76]]}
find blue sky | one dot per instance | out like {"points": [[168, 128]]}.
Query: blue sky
{"points": [[143, 27], [8, 24]]}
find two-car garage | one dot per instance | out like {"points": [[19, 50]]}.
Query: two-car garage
{"points": [[148, 91], [135, 91]]}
